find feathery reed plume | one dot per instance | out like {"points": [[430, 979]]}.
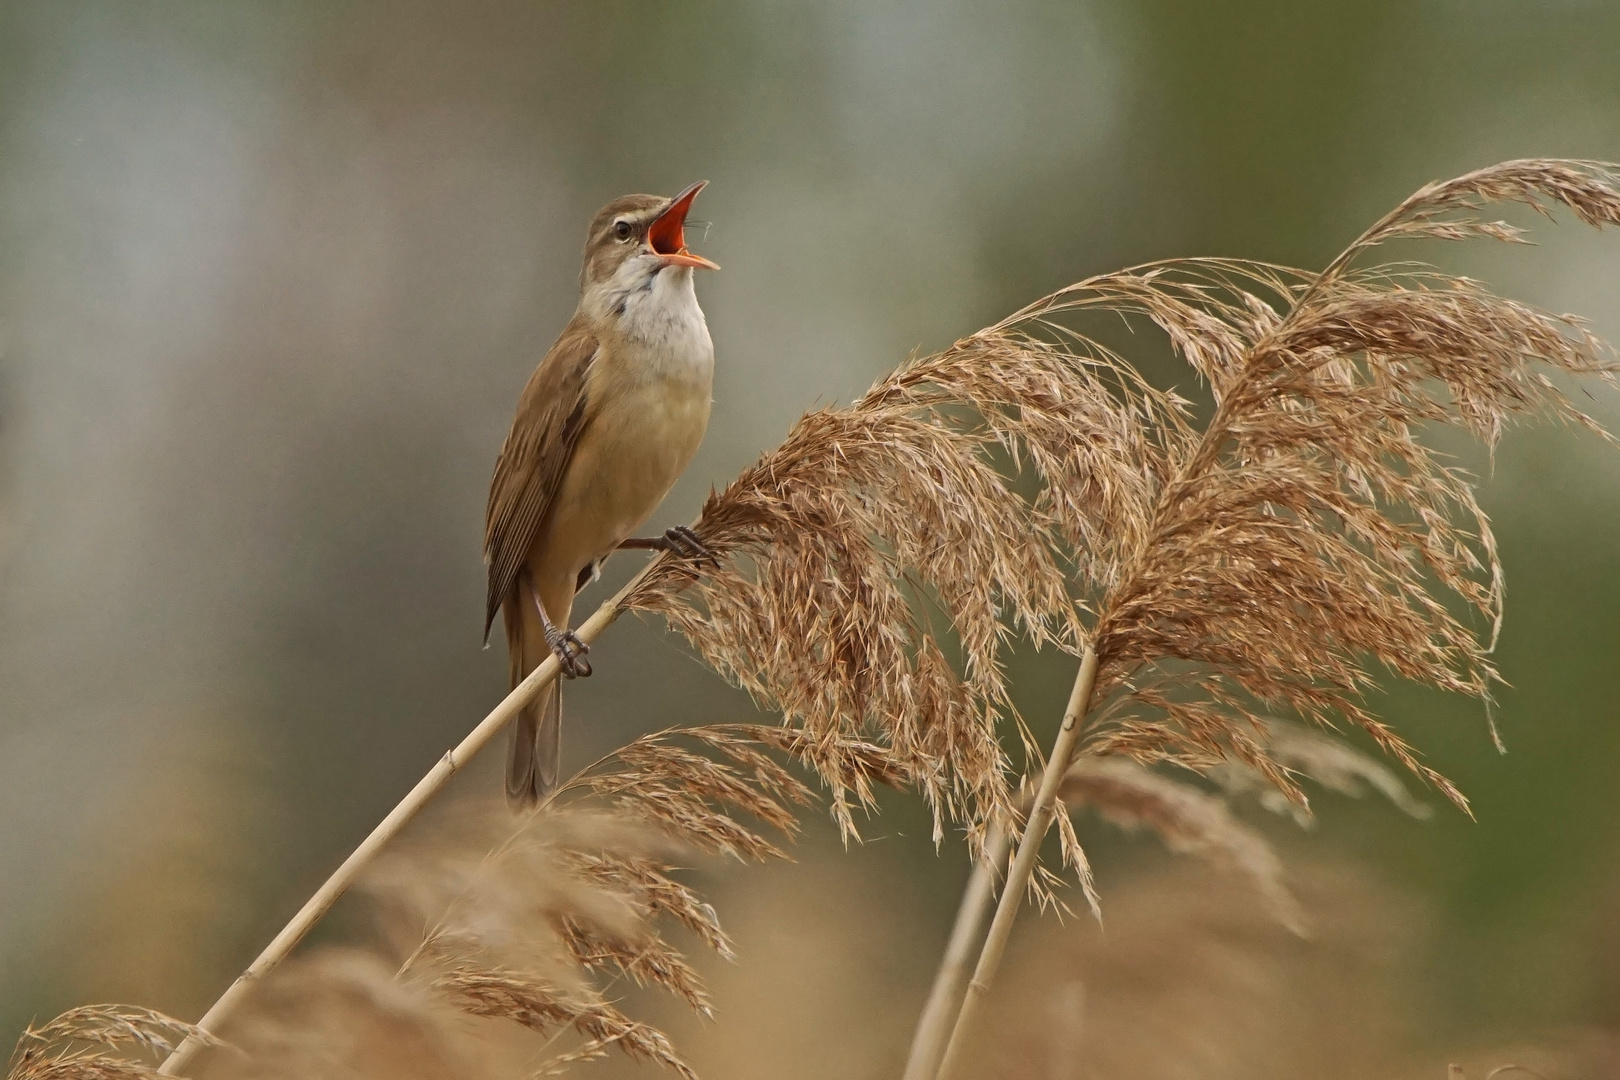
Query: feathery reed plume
{"points": [[1315, 755], [341, 1012], [1188, 820], [1276, 558], [528, 922], [827, 541], [579, 888], [1191, 978], [93, 1042], [1306, 754]]}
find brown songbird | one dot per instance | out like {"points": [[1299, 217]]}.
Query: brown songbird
{"points": [[606, 424]]}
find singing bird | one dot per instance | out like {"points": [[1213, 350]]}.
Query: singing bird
{"points": [[607, 422]]}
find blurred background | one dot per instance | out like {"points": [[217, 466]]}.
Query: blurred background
{"points": [[272, 275]]}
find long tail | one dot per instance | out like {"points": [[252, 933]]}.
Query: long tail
{"points": [[532, 767], [535, 760]]}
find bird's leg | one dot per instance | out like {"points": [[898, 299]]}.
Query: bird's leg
{"points": [[681, 540], [569, 649]]}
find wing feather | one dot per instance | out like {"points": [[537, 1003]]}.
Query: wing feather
{"points": [[550, 416]]}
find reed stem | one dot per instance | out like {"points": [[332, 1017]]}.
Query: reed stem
{"points": [[928, 1044], [426, 788], [1023, 866]]}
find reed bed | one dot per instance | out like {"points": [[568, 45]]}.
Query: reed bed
{"points": [[1232, 579]]}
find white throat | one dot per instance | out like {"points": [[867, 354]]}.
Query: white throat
{"points": [[655, 309]]}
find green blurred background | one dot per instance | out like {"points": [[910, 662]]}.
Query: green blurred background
{"points": [[271, 276]]}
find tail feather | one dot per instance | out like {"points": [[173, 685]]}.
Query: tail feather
{"points": [[535, 760], [536, 757], [548, 742]]}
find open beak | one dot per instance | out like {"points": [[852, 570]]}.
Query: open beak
{"points": [[667, 233]]}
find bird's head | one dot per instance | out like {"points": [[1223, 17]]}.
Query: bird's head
{"points": [[634, 238]]}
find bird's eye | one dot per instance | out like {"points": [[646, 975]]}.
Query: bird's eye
{"points": [[622, 230]]}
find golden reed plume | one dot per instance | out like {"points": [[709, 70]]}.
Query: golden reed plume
{"points": [[1270, 560], [528, 921]]}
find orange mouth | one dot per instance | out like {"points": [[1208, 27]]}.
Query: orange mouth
{"points": [[667, 234]]}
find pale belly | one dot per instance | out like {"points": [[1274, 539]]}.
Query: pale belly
{"points": [[626, 461]]}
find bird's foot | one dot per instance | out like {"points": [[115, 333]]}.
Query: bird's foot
{"points": [[680, 541], [570, 652], [683, 541]]}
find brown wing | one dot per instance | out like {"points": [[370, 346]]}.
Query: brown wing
{"points": [[550, 415]]}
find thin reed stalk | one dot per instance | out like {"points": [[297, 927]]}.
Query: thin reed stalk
{"points": [[1023, 866], [282, 945], [928, 1044]]}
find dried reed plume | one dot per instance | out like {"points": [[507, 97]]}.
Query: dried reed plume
{"points": [[1323, 758], [93, 1043], [1302, 540], [830, 541], [1270, 561], [578, 889], [529, 922], [1193, 821], [1187, 819]]}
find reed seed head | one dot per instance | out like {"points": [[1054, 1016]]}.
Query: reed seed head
{"points": [[1274, 555]]}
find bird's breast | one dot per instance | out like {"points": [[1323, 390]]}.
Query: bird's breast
{"points": [[651, 384], [648, 401], [651, 408]]}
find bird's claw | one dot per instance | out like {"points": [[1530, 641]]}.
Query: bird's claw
{"points": [[683, 541], [570, 652]]}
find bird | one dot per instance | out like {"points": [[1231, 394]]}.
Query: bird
{"points": [[606, 424]]}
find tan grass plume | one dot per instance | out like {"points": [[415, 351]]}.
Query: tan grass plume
{"points": [[531, 923], [1303, 541], [1274, 559], [99, 1042]]}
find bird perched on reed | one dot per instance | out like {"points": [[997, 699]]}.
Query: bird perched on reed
{"points": [[606, 424]]}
